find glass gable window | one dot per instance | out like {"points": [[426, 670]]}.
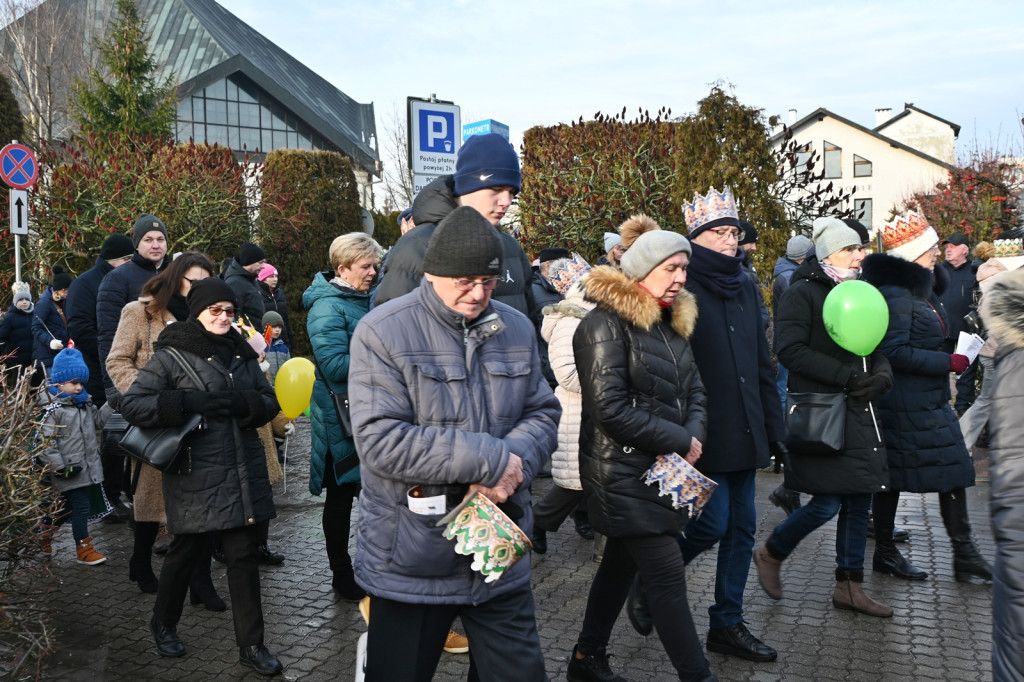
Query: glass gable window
{"points": [[833, 160], [803, 156], [861, 167], [236, 113], [862, 211]]}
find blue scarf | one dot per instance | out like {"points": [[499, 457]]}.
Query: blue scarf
{"points": [[720, 273], [81, 399]]}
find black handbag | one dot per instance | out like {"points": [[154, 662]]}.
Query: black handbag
{"points": [[160, 446], [815, 423], [340, 401]]}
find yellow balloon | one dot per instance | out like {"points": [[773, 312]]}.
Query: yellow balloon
{"points": [[294, 386]]}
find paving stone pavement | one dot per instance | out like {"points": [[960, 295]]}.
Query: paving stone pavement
{"points": [[941, 630]]}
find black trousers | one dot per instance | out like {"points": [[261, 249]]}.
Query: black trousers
{"points": [[552, 509], [241, 556], [405, 640], [337, 520], [663, 577]]}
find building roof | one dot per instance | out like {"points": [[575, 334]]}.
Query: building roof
{"points": [[908, 107], [821, 112]]}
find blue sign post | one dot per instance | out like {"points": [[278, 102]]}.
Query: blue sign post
{"points": [[433, 139]]}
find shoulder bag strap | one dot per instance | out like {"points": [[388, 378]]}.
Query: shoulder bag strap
{"points": [[174, 353], [323, 377]]}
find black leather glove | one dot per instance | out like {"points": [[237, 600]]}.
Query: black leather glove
{"points": [[869, 387], [239, 407], [113, 398], [209, 404]]}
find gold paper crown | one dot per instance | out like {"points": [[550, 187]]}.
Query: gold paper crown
{"points": [[903, 230], [717, 208], [569, 274]]}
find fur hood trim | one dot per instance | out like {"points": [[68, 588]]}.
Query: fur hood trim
{"points": [[612, 290], [1002, 308], [637, 225], [185, 336], [882, 270], [577, 308]]}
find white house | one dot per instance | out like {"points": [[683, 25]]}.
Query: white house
{"points": [[902, 154]]}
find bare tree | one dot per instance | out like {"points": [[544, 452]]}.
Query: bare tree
{"points": [[44, 47], [397, 176]]}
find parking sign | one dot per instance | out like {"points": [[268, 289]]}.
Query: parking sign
{"points": [[435, 129]]}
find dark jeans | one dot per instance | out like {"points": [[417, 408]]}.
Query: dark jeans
{"points": [[405, 640], [729, 518], [241, 556], [663, 578], [337, 520], [78, 502], [851, 528]]}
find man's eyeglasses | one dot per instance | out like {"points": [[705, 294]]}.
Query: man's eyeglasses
{"points": [[726, 232], [217, 310], [468, 284]]}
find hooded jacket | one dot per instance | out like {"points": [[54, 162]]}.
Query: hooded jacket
{"points": [[225, 484], [442, 404], [817, 364], [642, 397], [922, 436], [334, 312], [16, 337], [69, 429], [246, 288], [48, 323], [402, 270], [1003, 315]]}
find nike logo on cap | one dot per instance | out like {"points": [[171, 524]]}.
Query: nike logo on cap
{"points": [[484, 177]]}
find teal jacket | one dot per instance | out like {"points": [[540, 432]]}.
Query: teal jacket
{"points": [[333, 314]]}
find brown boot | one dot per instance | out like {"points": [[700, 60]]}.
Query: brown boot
{"points": [[849, 595], [768, 569], [87, 555]]}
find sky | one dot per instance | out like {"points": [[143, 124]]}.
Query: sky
{"points": [[541, 62]]}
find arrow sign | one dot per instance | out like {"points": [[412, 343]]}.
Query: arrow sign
{"points": [[18, 204]]}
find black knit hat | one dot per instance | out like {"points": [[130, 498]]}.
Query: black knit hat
{"points": [[116, 247], [60, 279], [144, 225], [464, 244], [749, 233], [553, 253], [206, 292], [249, 254]]}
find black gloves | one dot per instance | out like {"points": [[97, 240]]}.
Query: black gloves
{"points": [[210, 404], [866, 387], [113, 398], [239, 407]]}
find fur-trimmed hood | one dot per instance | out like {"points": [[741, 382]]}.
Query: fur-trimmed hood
{"points": [[1002, 308], [611, 289], [882, 270]]}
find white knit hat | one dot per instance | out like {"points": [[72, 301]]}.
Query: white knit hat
{"points": [[909, 237], [611, 240]]}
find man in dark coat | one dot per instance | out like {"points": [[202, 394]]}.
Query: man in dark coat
{"points": [[122, 286], [117, 250], [957, 300], [241, 276], [486, 178], [744, 415]]}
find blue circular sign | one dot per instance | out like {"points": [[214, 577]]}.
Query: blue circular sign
{"points": [[18, 166]]}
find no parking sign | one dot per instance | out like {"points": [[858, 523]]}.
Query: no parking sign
{"points": [[18, 166]]}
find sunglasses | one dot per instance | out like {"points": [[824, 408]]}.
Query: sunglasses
{"points": [[217, 310], [469, 284]]}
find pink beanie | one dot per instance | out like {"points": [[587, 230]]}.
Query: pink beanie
{"points": [[267, 270]]}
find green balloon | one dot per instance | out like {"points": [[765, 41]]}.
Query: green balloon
{"points": [[856, 316], [306, 412]]}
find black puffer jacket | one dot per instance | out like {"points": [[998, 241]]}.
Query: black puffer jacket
{"points": [[642, 397], [250, 298], [922, 436], [227, 484], [817, 364], [402, 270], [16, 337], [81, 312]]}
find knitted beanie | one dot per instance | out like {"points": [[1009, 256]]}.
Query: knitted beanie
{"points": [[750, 235], [207, 292], [61, 279], [464, 244], [249, 254], [145, 224], [831, 235], [486, 161], [116, 247], [267, 270], [797, 247], [611, 240], [21, 291], [69, 365], [650, 250], [273, 318], [909, 236], [553, 253]]}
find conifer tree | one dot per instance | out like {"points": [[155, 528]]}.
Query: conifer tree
{"points": [[11, 122]]}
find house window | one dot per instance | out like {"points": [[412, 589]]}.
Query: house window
{"points": [[803, 156], [861, 167], [833, 160], [862, 211]]}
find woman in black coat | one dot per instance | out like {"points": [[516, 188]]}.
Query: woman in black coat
{"points": [[926, 448], [274, 299], [642, 398], [841, 483], [223, 487]]}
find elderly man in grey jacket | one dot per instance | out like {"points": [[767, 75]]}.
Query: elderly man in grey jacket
{"points": [[447, 399]]}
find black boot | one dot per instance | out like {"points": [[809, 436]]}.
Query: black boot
{"points": [[140, 566], [540, 540], [887, 559], [345, 585], [201, 587], [786, 499], [593, 668], [968, 564]]}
